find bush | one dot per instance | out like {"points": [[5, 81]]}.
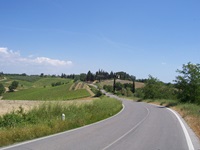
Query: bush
{"points": [[155, 89], [108, 88], [139, 93], [98, 93], [13, 86]]}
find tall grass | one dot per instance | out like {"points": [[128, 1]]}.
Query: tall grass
{"points": [[46, 119]]}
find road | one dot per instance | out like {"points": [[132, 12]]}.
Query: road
{"points": [[139, 126]]}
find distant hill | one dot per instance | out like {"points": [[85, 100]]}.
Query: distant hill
{"points": [[110, 82]]}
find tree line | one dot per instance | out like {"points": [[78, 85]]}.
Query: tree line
{"points": [[99, 75], [186, 87]]}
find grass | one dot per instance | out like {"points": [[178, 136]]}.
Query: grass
{"points": [[48, 81], [33, 81], [40, 88], [190, 112], [24, 78], [49, 93], [46, 119]]}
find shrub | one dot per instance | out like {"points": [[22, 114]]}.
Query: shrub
{"points": [[155, 89], [13, 86], [98, 93]]}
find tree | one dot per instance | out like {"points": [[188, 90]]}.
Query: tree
{"points": [[114, 84], [155, 89], [13, 86], [151, 88], [90, 76], [42, 75], [133, 87], [2, 89], [188, 83], [83, 77]]}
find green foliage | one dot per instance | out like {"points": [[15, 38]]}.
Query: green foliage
{"points": [[83, 77], [139, 93], [108, 88], [120, 89], [31, 78], [46, 119], [2, 89], [56, 84], [48, 81], [98, 93], [155, 89], [90, 76], [118, 86], [13, 86], [188, 83]]}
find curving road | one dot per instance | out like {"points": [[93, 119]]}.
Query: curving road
{"points": [[139, 126]]}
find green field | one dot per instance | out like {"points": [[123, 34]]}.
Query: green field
{"points": [[37, 88], [50, 93]]}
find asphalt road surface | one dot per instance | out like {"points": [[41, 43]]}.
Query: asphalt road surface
{"points": [[139, 126]]}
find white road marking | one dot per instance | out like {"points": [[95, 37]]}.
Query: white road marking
{"points": [[46, 137], [187, 136], [128, 131]]}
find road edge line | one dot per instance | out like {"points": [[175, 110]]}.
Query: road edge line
{"points": [[187, 136], [64, 132]]}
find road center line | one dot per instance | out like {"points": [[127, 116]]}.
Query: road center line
{"points": [[129, 130]]}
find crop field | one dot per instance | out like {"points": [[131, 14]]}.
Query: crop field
{"points": [[37, 88], [51, 93]]}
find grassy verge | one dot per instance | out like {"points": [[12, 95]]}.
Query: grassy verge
{"points": [[190, 112], [46, 119]]}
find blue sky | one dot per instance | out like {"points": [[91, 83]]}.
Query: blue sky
{"points": [[140, 37]]}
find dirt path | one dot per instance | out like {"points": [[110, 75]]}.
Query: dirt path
{"points": [[89, 90]]}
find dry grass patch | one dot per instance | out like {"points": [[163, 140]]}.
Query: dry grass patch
{"points": [[110, 82], [189, 112], [8, 106], [193, 120]]}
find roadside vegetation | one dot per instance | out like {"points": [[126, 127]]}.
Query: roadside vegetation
{"points": [[46, 119], [183, 96]]}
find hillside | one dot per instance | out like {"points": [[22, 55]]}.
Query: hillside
{"points": [[110, 82], [40, 88]]}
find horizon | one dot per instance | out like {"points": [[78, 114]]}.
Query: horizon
{"points": [[141, 38]]}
